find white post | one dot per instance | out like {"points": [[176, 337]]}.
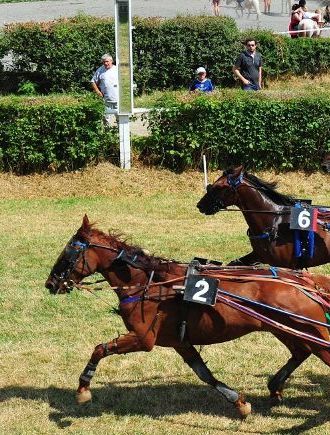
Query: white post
{"points": [[205, 171], [124, 61], [125, 142]]}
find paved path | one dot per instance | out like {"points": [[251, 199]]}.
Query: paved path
{"points": [[49, 10]]}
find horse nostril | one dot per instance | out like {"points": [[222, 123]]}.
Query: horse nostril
{"points": [[50, 285]]}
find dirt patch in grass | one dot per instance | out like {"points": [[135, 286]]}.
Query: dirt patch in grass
{"points": [[108, 180]]}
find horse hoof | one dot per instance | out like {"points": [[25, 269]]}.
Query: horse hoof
{"points": [[83, 397], [244, 409], [276, 398]]}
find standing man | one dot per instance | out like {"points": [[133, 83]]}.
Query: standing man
{"points": [[105, 84], [248, 67]]}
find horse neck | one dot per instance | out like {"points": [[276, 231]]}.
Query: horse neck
{"points": [[169, 271], [251, 199], [123, 274]]}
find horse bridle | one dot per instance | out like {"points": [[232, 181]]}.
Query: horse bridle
{"points": [[234, 183], [76, 249]]}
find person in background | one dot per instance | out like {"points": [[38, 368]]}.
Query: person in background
{"points": [[216, 7], [201, 83], [296, 17], [310, 23], [105, 84], [267, 4], [248, 67], [326, 15]]}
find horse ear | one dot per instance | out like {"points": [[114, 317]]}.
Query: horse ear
{"points": [[239, 169], [85, 222]]}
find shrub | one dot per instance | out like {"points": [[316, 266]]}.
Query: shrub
{"points": [[63, 54], [27, 88], [258, 129], [56, 133], [166, 52]]}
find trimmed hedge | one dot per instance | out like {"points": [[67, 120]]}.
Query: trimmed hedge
{"points": [[52, 133], [260, 130], [166, 52], [62, 55]]}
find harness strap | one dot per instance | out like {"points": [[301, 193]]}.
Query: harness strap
{"points": [[264, 235], [275, 324], [270, 235], [271, 308]]}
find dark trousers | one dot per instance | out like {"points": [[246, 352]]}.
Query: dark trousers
{"points": [[251, 87]]}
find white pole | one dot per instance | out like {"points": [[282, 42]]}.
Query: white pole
{"points": [[205, 172], [124, 61], [124, 141]]}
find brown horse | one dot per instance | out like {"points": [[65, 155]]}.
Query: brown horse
{"points": [[152, 309], [267, 213]]}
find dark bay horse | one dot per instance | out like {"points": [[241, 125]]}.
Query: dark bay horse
{"points": [[267, 213], [152, 308]]}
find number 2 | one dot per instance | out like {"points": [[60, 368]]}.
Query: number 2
{"points": [[204, 285]]}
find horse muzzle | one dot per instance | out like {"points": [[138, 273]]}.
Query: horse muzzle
{"points": [[209, 207], [58, 287]]}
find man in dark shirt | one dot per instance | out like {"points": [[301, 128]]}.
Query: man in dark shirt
{"points": [[248, 67]]}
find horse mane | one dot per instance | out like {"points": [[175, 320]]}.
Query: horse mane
{"points": [[117, 241], [269, 189]]}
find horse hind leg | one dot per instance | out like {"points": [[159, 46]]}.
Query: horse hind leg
{"points": [[324, 355], [195, 362], [276, 383]]}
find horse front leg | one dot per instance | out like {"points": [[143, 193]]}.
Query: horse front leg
{"points": [[129, 342], [195, 362]]}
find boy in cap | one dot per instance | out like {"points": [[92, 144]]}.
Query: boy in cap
{"points": [[201, 83]]}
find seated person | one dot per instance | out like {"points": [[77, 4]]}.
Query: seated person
{"points": [[201, 83], [309, 23]]}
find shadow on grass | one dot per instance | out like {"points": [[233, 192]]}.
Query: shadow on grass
{"points": [[158, 401]]}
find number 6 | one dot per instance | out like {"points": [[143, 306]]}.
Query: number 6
{"points": [[304, 219]]}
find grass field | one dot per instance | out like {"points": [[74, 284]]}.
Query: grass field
{"points": [[46, 341]]}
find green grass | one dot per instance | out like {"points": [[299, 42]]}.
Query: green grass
{"points": [[45, 341]]}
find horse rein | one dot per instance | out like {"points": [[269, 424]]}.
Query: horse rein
{"points": [[75, 253], [277, 213]]}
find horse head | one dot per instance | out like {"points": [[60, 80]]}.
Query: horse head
{"points": [[75, 262], [90, 250], [222, 193]]}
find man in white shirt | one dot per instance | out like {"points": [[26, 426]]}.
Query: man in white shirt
{"points": [[105, 84]]}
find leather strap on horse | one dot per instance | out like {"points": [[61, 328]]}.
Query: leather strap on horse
{"points": [[274, 323]]}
